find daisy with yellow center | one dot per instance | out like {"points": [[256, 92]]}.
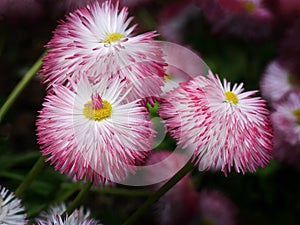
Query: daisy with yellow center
{"points": [[99, 39], [90, 132], [224, 126]]}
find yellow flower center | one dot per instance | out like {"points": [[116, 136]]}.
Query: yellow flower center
{"points": [[297, 115], [167, 77], [113, 37], [249, 6], [97, 113], [231, 97]]}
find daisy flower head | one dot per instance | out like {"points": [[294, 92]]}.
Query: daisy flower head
{"points": [[11, 210], [286, 117], [277, 81], [74, 218], [97, 41], [224, 126], [90, 132]]}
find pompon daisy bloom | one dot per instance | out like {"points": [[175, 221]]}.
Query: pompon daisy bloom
{"points": [[277, 81], [75, 218], [97, 41], [11, 210], [90, 132], [224, 126], [286, 117]]}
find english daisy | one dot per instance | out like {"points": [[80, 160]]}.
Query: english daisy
{"points": [[98, 41], [224, 126], [74, 219], [277, 81], [90, 132], [286, 117], [11, 210]]}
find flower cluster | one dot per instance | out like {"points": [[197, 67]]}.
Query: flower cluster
{"points": [[94, 124]]}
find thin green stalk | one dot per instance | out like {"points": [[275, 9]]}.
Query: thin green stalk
{"points": [[35, 170], [78, 200], [159, 193], [20, 86]]}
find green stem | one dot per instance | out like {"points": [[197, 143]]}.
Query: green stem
{"points": [[20, 86], [35, 170], [79, 198], [159, 193]]}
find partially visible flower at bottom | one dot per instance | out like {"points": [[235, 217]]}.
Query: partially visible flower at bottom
{"points": [[76, 218], [224, 126], [46, 216], [90, 132], [11, 210]]}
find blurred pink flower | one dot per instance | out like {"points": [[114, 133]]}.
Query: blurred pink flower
{"points": [[284, 152], [224, 126], [97, 41], [213, 207], [176, 207], [277, 81], [249, 19], [286, 117], [90, 131], [173, 20]]}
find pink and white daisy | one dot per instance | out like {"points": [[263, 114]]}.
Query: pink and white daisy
{"points": [[286, 117], [74, 218], [97, 41], [91, 132], [277, 81], [224, 126], [11, 210]]}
